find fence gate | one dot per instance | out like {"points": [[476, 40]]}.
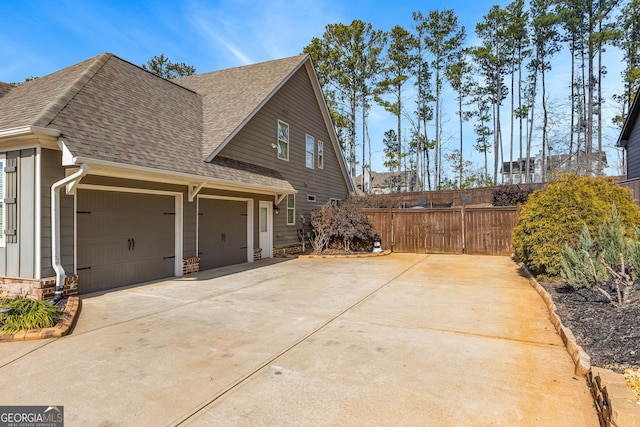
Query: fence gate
{"points": [[460, 230]]}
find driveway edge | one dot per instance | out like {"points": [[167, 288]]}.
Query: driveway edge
{"points": [[612, 397]]}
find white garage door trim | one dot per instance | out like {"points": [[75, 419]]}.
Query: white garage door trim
{"points": [[178, 219], [249, 220]]}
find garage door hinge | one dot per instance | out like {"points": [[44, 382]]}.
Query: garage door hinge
{"points": [[169, 257], [83, 212], [243, 247], [244, 214], [83, 268], [169, 213]]}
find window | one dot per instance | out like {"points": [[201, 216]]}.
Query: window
{"points": [[335, 202], [311, 198], [320, 155], [310, 150], [283, 140], [291, 209]]}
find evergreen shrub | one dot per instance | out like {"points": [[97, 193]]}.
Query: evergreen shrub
{"points": [[555, 216], [510, 195]]}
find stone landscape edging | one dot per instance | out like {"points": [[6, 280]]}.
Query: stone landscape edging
{"points": [[612, 397], [362, 255], [62, 328]]}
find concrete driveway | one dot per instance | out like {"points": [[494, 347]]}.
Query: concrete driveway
{"points": [[429, 340]]}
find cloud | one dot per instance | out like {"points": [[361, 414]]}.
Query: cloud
{"points": [[254, 31]]}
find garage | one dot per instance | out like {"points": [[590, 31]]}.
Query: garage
{"points": [[123, 238], [222, 232]]}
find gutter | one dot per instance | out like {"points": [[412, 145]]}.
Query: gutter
{"points": [[56, 258], [180, 178]]}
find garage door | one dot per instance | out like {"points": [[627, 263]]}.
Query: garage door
{"points": [[222, 232], [124, 239]]}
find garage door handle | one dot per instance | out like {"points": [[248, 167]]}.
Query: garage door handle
{"points": [[133, 244], [129, 240]]}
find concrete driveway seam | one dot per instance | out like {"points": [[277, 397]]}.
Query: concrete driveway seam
{"points": [[202, 406]]}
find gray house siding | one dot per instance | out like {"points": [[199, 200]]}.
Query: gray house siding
{"points": [[294, 104], [17, 256], [51, 171], [633, 153]]}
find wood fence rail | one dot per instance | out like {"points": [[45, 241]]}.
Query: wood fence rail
{"points": [[459, 230]]}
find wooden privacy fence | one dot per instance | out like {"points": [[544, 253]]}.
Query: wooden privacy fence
{"points": [[459, 230]]}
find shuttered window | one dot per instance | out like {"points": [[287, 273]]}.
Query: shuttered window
{"points": [[10, 197]]}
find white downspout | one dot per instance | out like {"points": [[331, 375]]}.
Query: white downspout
{"points": [[56, 259]]}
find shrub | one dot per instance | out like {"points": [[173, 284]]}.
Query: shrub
{"points": [[555, 215], [510, 195], [346, 224], [580, 266], [613, 257], [28, 314]]}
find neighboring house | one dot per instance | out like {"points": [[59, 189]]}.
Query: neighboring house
{"points": [[114, 176], [387, 182], [554, 164], [629, 140], [516, 168]]}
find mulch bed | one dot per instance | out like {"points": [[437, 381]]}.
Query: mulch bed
{"points": [[609, 334]]}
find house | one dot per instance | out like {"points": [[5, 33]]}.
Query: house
{"points": [[387, 182], [554, 164], [517, 168], [629, 140], [113, 176]]}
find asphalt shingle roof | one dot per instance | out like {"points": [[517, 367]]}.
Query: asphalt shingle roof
{"points": [[233, 95], [109, 109]]}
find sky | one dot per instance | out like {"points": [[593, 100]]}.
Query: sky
{"points": [[39, 37]]}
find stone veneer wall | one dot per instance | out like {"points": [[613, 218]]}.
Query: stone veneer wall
{"points": [[42, 289]]}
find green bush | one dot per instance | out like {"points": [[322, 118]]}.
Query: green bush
{"points": [[28, 314], [555, 216]]}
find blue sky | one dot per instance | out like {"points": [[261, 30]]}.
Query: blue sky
{"points": [[38, 37]]}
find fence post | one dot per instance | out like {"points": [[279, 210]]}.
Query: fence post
{"points": [[464, 244], [392, 236]]}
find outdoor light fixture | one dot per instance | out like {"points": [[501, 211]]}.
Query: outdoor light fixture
{"points": [[276, 209]]}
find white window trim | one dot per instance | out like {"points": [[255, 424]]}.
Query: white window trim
{"points": [[291, 208], [278, 140], [320, 155], [3, 161], [308, 138]]}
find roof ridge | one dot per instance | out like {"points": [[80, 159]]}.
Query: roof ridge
{"points": [[229, 69], [56, 105]]}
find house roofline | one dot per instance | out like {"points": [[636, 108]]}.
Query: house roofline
{"points": [[28, 131], [632, 117], [254, 112], [141, 173], [16, 138]]}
